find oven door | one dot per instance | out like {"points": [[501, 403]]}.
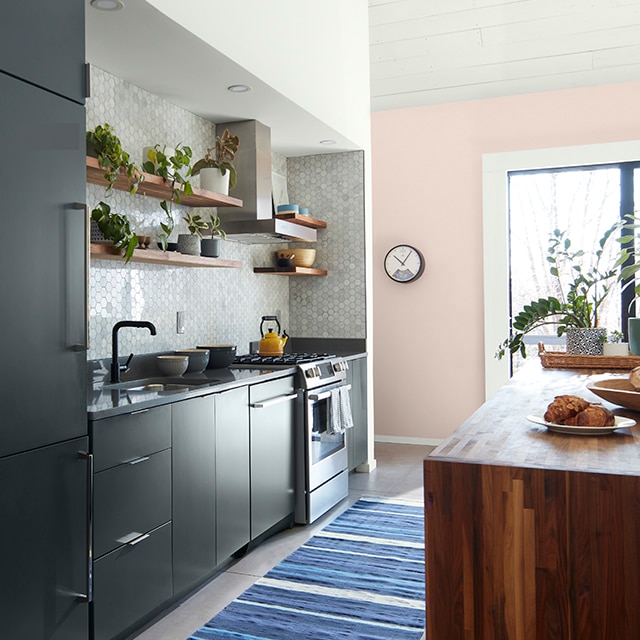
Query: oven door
{"points": [[326, 446]]}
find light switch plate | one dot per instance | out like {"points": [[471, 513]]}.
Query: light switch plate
{"points": [[180, 322]]}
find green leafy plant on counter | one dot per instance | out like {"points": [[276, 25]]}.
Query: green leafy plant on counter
{"points": [[170, 168], [195, 224], [214, 228], [116, 228], [590, 281], [221, 156], [104, 144]]}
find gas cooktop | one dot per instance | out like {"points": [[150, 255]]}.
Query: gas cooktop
{"points": [[288, 359]]}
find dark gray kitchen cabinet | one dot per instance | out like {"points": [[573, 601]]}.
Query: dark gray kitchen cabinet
{"points": [[132, 528], [233, 494], [194, 491], [42, 289], [44, 43], [272, 419], [131, 582], [357, 437], [43, 537]]}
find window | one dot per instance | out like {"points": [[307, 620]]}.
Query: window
{"points": [[584, 201]]}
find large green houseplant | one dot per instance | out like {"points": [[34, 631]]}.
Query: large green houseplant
{"points": [[220, 157], [584, 280]]}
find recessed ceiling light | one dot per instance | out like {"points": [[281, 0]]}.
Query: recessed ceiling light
{"points": [[327, 141], [239, 88], [107, 5]]}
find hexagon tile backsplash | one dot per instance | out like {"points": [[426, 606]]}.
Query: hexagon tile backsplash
{"points": [[222, 305]]}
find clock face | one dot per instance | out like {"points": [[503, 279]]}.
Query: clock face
{"points": [[404, 263]]}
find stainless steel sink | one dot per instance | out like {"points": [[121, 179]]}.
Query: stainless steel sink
{"points": [[147, 385]]}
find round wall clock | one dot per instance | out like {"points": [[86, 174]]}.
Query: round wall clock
{"points": [[404, 263]]}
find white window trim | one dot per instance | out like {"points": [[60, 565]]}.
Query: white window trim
{"points": [[495, 167]]}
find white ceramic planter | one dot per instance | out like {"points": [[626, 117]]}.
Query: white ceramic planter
{"points": [[212, 179], [615, 349]]}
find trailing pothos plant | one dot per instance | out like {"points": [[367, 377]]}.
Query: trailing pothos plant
{"points": [[169, 168], [591, 277], [221, 156], [115, 227], [106, 146]]}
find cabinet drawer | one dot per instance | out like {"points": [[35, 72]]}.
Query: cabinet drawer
{"points": [[134, 435], [130, 582], [270, 390], [131, 498]]}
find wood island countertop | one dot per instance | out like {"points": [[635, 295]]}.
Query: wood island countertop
{"points": [[531, 534], [499, 432]]}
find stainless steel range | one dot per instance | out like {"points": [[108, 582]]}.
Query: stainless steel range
{"points": [[324, 414]]}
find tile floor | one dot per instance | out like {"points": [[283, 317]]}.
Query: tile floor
{"points": [[398, 473]]}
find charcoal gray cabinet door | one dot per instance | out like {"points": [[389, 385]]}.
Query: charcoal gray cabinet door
{"points": [[42, 288], [194, 491], [272, 451], [357, 436], [232, 471], [43, 543], [43, 43]]}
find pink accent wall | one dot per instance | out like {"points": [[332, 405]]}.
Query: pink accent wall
{"points": [[427, 191]]}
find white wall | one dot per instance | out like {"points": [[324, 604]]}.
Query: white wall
{"points": [[315, 52]]}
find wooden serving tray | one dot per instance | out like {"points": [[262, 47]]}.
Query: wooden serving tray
{"points": [[563, 360]]}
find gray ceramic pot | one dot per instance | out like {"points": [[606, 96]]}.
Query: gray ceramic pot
{"points": [[210, 247], [189, 244]]}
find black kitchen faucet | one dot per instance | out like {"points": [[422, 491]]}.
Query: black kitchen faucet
{"points": [[116, 367]]}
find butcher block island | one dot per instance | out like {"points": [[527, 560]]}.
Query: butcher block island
{"points": [[533, 534]]}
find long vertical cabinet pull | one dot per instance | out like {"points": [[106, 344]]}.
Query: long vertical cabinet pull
{"points": [[74, 312], [88, 596]]}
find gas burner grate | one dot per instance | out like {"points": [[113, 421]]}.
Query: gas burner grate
{"points": [[284, 359]]}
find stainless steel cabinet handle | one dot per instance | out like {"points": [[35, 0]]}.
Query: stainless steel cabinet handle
{"points": [[88, 596], [138, 460], [326, 394], [72, 307], [133, 538], [133, 413], [269, 403]]}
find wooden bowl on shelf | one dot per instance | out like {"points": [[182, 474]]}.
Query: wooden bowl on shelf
{"points": [[299, 257]]}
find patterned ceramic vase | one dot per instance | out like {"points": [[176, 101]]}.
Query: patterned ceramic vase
{"points": [[586, 342]]}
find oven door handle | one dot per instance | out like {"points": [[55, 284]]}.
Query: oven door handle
{"points": [[269, 403], [315, 397]]}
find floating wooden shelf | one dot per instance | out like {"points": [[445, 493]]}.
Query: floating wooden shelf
{"points": [[305, 221], [290, 271], [170, 258], [156, 187]]}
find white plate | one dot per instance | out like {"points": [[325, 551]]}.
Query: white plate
{"points": [[620, 423]]}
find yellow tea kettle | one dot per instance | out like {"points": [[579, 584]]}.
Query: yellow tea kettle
{"points": [[271, 344]]}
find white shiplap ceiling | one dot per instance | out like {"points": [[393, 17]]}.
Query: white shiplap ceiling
{"points": [[435, 51]]}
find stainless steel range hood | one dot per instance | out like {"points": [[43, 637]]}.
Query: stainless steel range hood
{"points": [[254, 222]]}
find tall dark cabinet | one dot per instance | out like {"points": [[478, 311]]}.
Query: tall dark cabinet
{"points": [[43, 431]]}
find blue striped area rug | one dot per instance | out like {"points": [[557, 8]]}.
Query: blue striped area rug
{"points": [[361, 577]]}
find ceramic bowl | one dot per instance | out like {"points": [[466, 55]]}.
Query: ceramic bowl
{"points": [[220, 355], [304, 257], [288, 208], [172, 365], [284, 262], [304, 211], [198, 359]]}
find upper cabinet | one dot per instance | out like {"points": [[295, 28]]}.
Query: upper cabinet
{"points": [[52, 55]]}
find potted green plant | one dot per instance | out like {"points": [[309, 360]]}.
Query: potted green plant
{"points": [[104, 144], [174, 167], [574, 306], [210, 247], [116, 228], [189, 243], [614, 344], [217, 171]]}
